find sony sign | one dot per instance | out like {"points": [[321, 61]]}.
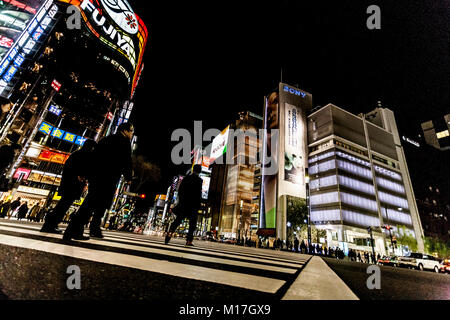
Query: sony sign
{"points": [[121, 13], [294, 91]]}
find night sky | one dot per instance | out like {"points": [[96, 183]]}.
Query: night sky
{"points": [[208, 60]]}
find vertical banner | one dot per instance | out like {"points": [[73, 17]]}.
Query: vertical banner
{"points": [[294, 146], [268, 208], [294, 106]]}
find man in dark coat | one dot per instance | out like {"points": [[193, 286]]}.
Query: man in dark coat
{"points": [[112, 159], [74, 176], [14, 205], [7, 154], [296, 244], [190, 199], [22, 212]]}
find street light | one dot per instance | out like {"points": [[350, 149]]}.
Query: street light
{"points": [[388, 227]]}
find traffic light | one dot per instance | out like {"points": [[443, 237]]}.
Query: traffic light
{"points": [[388, 227], [142, 196]]}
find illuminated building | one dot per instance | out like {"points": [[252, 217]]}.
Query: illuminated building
{"points": [[235, 179], [75, 84], [359, 179]]}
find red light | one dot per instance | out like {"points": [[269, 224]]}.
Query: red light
{"points": [[142, 196]]}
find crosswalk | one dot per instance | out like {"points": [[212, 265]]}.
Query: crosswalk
{"points": [[257, 270]]}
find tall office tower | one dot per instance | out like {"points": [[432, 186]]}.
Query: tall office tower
{"points": [[359, 179]]}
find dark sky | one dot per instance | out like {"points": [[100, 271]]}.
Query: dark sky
{"points": [[208, 60]]}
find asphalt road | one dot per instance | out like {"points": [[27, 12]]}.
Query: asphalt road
{"points": [[396, 283]]}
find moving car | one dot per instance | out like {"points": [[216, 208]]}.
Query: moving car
{"points": [[420, 261], [445, 266], [389, 261]]}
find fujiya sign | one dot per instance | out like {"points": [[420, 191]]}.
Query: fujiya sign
{"points": [[121, 13]]}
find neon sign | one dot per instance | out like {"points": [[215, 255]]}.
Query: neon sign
{"points": [[294, 91], [116, 25]]}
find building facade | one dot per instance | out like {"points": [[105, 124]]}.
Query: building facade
{"points": [[359, 179]]}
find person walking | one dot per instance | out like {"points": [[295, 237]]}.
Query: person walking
{"points": [[303, 247], [34, 212], [190, 197], [111, 160], [5, 208], [75, 174], [22, 212], [296, 243], [14, 205], [359, 256]]}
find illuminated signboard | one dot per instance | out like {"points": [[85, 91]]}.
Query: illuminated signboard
{"points": [[61, 134], [39, 192], [55, 110], [55, 157], [21, 171], [57, 133], [116, 25], [45, 128], [70, 137], [24, 23], [56, 85], [219, 145]]}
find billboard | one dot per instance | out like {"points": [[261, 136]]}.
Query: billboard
{"points": [[117, 26], [285, 110], [23, 27], [294, 146], [267, 217], [219, 145]]}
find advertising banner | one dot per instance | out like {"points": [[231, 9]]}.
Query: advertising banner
{"points": [[268, 208], [294, 147], [219, 145], [294, 105]]}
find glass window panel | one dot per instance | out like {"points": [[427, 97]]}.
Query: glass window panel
{"points": [[357, 201], [356, 185], [324, 198]]}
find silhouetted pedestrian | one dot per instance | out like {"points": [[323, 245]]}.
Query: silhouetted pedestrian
{"points": [[190, 197], [22, 212], [296, 244], [112, 159], [74, 177]]}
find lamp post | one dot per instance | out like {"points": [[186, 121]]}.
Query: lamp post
{"points": [[307, 208], [371, 240], [389, 228], [240, 221]]}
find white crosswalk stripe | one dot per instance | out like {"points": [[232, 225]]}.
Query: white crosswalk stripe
{"points": [[249, 268]]}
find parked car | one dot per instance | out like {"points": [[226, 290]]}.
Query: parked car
{"points": [[445, 266], [420, 261], [389, 261]]}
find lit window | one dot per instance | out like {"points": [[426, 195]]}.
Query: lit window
{"points": [[442, 134]]}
